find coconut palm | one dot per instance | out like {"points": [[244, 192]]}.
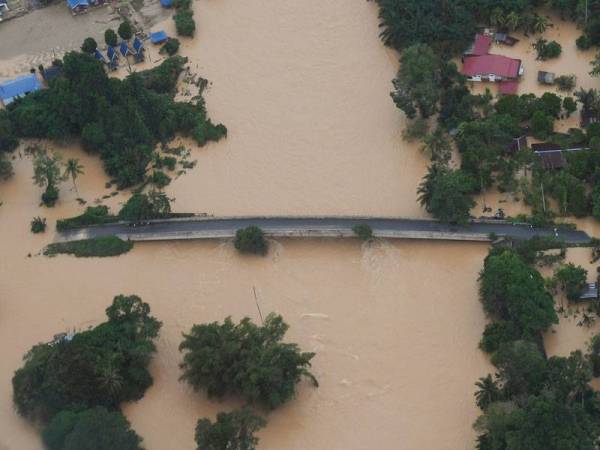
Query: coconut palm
{"points": [[109, 378], [438, 145], [72, 170], [487, 393], [539, 24], [513, 20]]}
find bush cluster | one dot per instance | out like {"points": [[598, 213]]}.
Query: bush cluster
{"points": [[88, 248]]}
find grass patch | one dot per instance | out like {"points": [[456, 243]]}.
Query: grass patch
{"points": [[87, 248]]}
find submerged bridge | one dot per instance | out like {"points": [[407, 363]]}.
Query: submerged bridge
{"points": [[200, 227]]}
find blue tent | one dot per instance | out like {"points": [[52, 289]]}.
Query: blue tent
{"points": [[74, 4], [138, 45], [158, 37], [113, 58], [166, 3], [99, 56], [13, 89], [124, 49]]}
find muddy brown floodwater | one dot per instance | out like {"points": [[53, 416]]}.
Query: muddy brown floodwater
{"points": [[304, 89]]}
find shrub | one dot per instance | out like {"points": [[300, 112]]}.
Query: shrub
{"points": [[245, 360], [38, 225], [541, 125], [583, 42], [102, 366], [251, 240], [6, 168], [93, 215], [184, 22], [110, 37], [90, 429], [547, 50], [231, 431], [206, 131], [171, 47], [87, 248], [572, 279], [160, 179], [363, 231], [569, 105], [565, 82], [50, 196]]}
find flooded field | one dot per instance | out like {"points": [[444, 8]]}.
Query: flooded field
{"points": [[304, 90]]}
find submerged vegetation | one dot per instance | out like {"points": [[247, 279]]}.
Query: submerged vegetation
{"points": [[121, 120], [231, 431], [88, 248], [251, 240]]}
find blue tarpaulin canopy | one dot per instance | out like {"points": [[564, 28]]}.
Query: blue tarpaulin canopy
{"points": [[164, 3], [111, 53], [13, 89], [138, 44], [99, 56], [124, 49], [75, 3], [158, 37]]}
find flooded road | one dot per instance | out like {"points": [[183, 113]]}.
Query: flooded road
{"points": [[304, 90]]}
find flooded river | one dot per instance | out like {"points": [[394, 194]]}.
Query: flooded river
{"points": [[304, 90]]}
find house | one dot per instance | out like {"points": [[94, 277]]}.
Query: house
{"points": [[158, 37], [19, 87], [481, 45], [138, 47], [494, 68], [552, 155], [113, 58], [78, 6]]}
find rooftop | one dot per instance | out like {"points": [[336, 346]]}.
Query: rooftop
{"points": [[501, 66], [10, 90]]}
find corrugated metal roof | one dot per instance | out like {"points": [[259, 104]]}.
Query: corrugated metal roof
{"points": [[482, 45], [158, 37], [498, 65], [509, 87], [75, 3], [12, 89]]}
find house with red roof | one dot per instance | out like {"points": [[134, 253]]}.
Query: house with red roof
{"points": [[480, 65]]}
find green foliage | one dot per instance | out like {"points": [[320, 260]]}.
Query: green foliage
{"points": [[570, 193], [417, 88], [160, 179], [231, 431], [171, 47], [512, 291], [38, 225], [122, 120], [125, 30], [93, 215], [488, 392], [90, 429], [6, 168], [438, 145], [110, 38], [542, 125], [89, 45], [415, 130], [569, 105], [88, 248], [72, 170], [245, 360], [251, 240], [498, 333], [571, 279], [50, 196], [565, 83], [103, 366], [547, 50], [8, 136], [154, 205], [583, 42], [363, 231], [184, 22], [46, 168], [446, 194], [594, 354]]}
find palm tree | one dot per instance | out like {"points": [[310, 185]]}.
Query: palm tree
{"points": [[438, 146], [72, 170], [110, 378], [540, 23], [487, 393]]}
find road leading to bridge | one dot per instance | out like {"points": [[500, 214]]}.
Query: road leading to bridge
{"points": [[221, 228]]}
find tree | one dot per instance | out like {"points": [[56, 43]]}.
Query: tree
{"points": [[89, 45], [231, 431], [487, 392], [72, 170], [245, 360], [125, 30], [38, 225], [437, 144], [565, 82], [251, 240], [363, 231], [512, 291], [90, 429], [547, 50], [8, 137], [569, 105], [78, 371], [542, 125], [417, 87], [6, 168], [184, 22], [46, 173], [171, 47], [594, 354], [571, 279], [521, 368], [146, 206], [110, 37], [445, 193]]}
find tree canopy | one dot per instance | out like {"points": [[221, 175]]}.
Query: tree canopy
{"points": [[231, 431], [244, 359]]}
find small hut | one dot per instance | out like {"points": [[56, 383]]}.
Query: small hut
{"points": [[158, 37]]}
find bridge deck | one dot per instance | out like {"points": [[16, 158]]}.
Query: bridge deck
{"points": [[220, 228]]}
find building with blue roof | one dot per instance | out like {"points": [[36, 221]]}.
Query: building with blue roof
{"points": [[78, 6], [166, 3], [124, 49], [19, 87]]}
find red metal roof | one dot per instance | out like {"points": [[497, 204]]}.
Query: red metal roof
{"points": [[509, 87], [498, 65], [482, 44]]}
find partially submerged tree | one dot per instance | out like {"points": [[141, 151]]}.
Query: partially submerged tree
{"points": [[246, 360], [140, 206], [110, 37], [72, 170], [251, 240], [47, 174], [231, 431]]}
